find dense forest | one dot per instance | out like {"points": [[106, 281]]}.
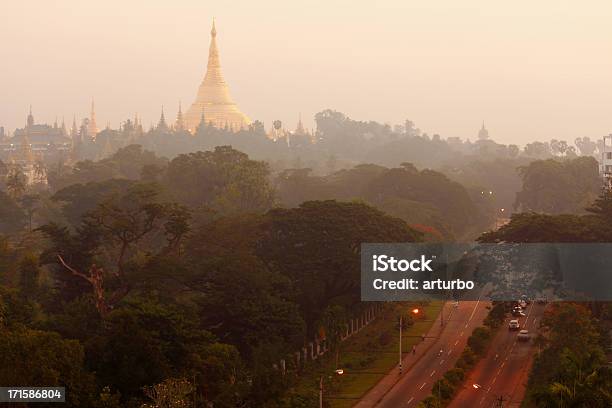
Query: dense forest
{"points": [[193, 269], [128, 283]]}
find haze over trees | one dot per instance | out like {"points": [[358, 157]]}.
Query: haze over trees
{"points": [[419, 197], [141, 281], [555, 187], [196, 273]]}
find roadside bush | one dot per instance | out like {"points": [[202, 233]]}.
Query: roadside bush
{"points": [[430, 402], [443, 389], [479, 339], [496, 315], [455, 376], [467, 359]]}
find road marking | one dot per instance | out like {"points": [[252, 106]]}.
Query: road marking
{"points": [[475, 307], [449, 351], [493, 382], [432, 373], [422, 385], [502, 364], [460, 334], [441, 362], [456, 342], [410, 400]]}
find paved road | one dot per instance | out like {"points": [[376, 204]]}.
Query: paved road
{"points": [[503, 372], [424, 369]]}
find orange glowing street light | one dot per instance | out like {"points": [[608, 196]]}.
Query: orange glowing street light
{"points": [[416, 311]]}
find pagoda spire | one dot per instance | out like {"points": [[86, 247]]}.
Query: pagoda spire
{"points": [[162, 120], [180, 122], [300, 126], [202, 124], [483, 133], [30, 120], [92, 127], [214, 64]]}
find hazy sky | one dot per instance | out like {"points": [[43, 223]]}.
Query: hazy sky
{"points": [[536, 69]]}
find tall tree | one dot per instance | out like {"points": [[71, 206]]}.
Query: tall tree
{"points": [[559, 186], [224, 179], [121, 227]]}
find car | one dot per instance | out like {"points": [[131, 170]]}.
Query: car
{"points": [[523, 335], [517, 313], [522, 303], [514, 325], [525, 299]]}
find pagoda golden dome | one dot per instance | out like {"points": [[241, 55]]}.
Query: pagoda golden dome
{"points": [[213, 99]]}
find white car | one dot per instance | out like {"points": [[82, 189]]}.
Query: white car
{"points": [[523, 335], [514, 325]]}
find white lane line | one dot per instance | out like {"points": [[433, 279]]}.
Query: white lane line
{"points": [[493, 382], [422, 385], [410, 400], [460, 334], [441, 362], [502, 364], [449, 351], [456, 342], [432, 373], [475, 307]]}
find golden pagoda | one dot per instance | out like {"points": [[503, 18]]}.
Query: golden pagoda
{"points": [[213, 100]]}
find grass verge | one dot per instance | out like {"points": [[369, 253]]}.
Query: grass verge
{"points": [[369, 355]]}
